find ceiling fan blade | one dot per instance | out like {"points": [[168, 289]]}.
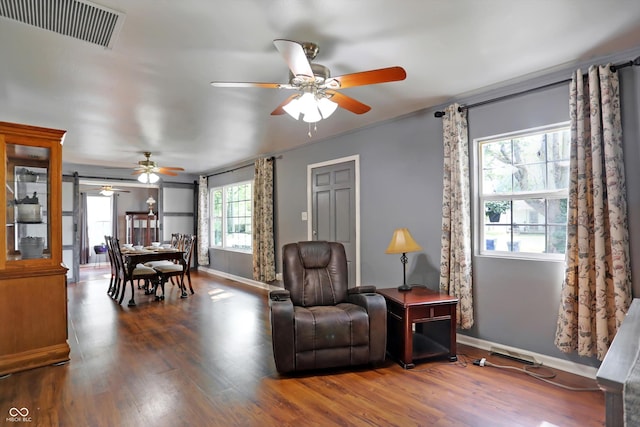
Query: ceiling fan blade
{"points": [[293, 54], [383, 75], [347, 102], [249, 84], [138, 172], [166, 171], [279, 110], [173, 168]]}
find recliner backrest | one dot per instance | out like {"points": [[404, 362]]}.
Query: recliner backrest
{"points": [[315, 273]]}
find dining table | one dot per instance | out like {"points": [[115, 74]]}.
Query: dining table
{"points": [[135, 256]]}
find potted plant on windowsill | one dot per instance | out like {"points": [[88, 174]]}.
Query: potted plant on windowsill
{"points": [[494, 208]]}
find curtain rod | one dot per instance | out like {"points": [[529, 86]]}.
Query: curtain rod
{"points": [[613, 68], [237, 168]]}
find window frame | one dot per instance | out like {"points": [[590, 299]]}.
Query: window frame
{"points": [[212, 217], [480, 198]]}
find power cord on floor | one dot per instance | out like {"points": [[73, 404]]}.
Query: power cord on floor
{"points": [[541, 377], [462, 362]]}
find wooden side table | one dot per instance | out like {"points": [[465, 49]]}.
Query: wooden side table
{"points": [[431, 314]]}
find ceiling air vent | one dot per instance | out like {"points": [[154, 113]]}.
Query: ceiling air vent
{"points": [[79, 19]]}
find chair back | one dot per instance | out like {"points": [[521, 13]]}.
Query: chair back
{"points": [[119, 259], [188, 243], [107, 240], [177, 241], [315, 272]]}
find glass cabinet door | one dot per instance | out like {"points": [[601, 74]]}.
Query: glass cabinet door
{"points": [[28, 195]]}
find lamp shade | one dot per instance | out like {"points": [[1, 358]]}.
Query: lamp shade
{"points": [[148, 178], [293, 108], [106, 193], [326, 107], [402, 242]]}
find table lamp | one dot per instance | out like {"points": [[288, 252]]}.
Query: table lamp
{"points": [[401, 243], [150, 201]]}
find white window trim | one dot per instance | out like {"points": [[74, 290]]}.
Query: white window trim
{"points": [[478, 213], [224, 217]]}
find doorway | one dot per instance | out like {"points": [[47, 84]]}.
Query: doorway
{"points": [[333, 202], [99, 224]]}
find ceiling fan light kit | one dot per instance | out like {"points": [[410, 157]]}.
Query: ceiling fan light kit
{"points": [[318, 95], [148, 178], [312, 107], [147, 170]]}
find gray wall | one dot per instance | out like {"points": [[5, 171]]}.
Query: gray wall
{"points": [[516, 301]]}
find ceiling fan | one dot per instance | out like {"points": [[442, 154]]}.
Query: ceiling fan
{"points": [[147, 170], [108, 190], [317, 93]]}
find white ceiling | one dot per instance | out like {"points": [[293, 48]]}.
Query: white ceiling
{"points": [[151, 91]]}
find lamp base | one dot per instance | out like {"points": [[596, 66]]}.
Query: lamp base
{"points": [[404, 287]]}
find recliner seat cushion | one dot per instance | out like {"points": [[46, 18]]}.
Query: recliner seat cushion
{"points": [[326, 327]]}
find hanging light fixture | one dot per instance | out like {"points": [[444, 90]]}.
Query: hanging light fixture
{"points": [[148, 178], [107, 193], [312, 106]]}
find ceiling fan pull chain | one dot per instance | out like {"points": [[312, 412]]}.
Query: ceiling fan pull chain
{"points": [[315, 129]]}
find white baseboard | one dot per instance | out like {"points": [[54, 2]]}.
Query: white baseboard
{"points": [[551, 362], [240, 279]]}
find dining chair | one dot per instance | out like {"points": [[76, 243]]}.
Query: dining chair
{"points": [[176, 243], [178, 270], [114, 267], [139, 272]]}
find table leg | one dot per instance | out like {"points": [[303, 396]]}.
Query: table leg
{"points": [[453, 351], [407, 341]]}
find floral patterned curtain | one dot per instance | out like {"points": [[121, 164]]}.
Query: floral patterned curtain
{"points": [[203, 221], [264, 266], [455, 255], [596, 292]]}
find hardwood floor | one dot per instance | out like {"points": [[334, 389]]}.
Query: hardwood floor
{"points": [[207, 361]]}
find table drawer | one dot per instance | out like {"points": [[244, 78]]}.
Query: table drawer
{"points": [[429, 312]]}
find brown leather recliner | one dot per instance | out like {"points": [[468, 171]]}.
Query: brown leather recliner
{"points": [[317, 321]]}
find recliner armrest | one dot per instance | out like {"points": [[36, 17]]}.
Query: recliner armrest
{"points": [[365, 289], [376, 307], [282, 330], [279, 295]]}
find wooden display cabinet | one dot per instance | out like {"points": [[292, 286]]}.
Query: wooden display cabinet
{"points": [[142, 228], [33, 294]]}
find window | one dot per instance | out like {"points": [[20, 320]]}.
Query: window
{"points": [[99, 215], [523, 181], [231, 217]]}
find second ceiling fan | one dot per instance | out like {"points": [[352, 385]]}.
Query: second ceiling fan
{"points": [[317, 93]]}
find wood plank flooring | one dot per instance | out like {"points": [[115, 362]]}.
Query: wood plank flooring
{"points": [[207, 361]]}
